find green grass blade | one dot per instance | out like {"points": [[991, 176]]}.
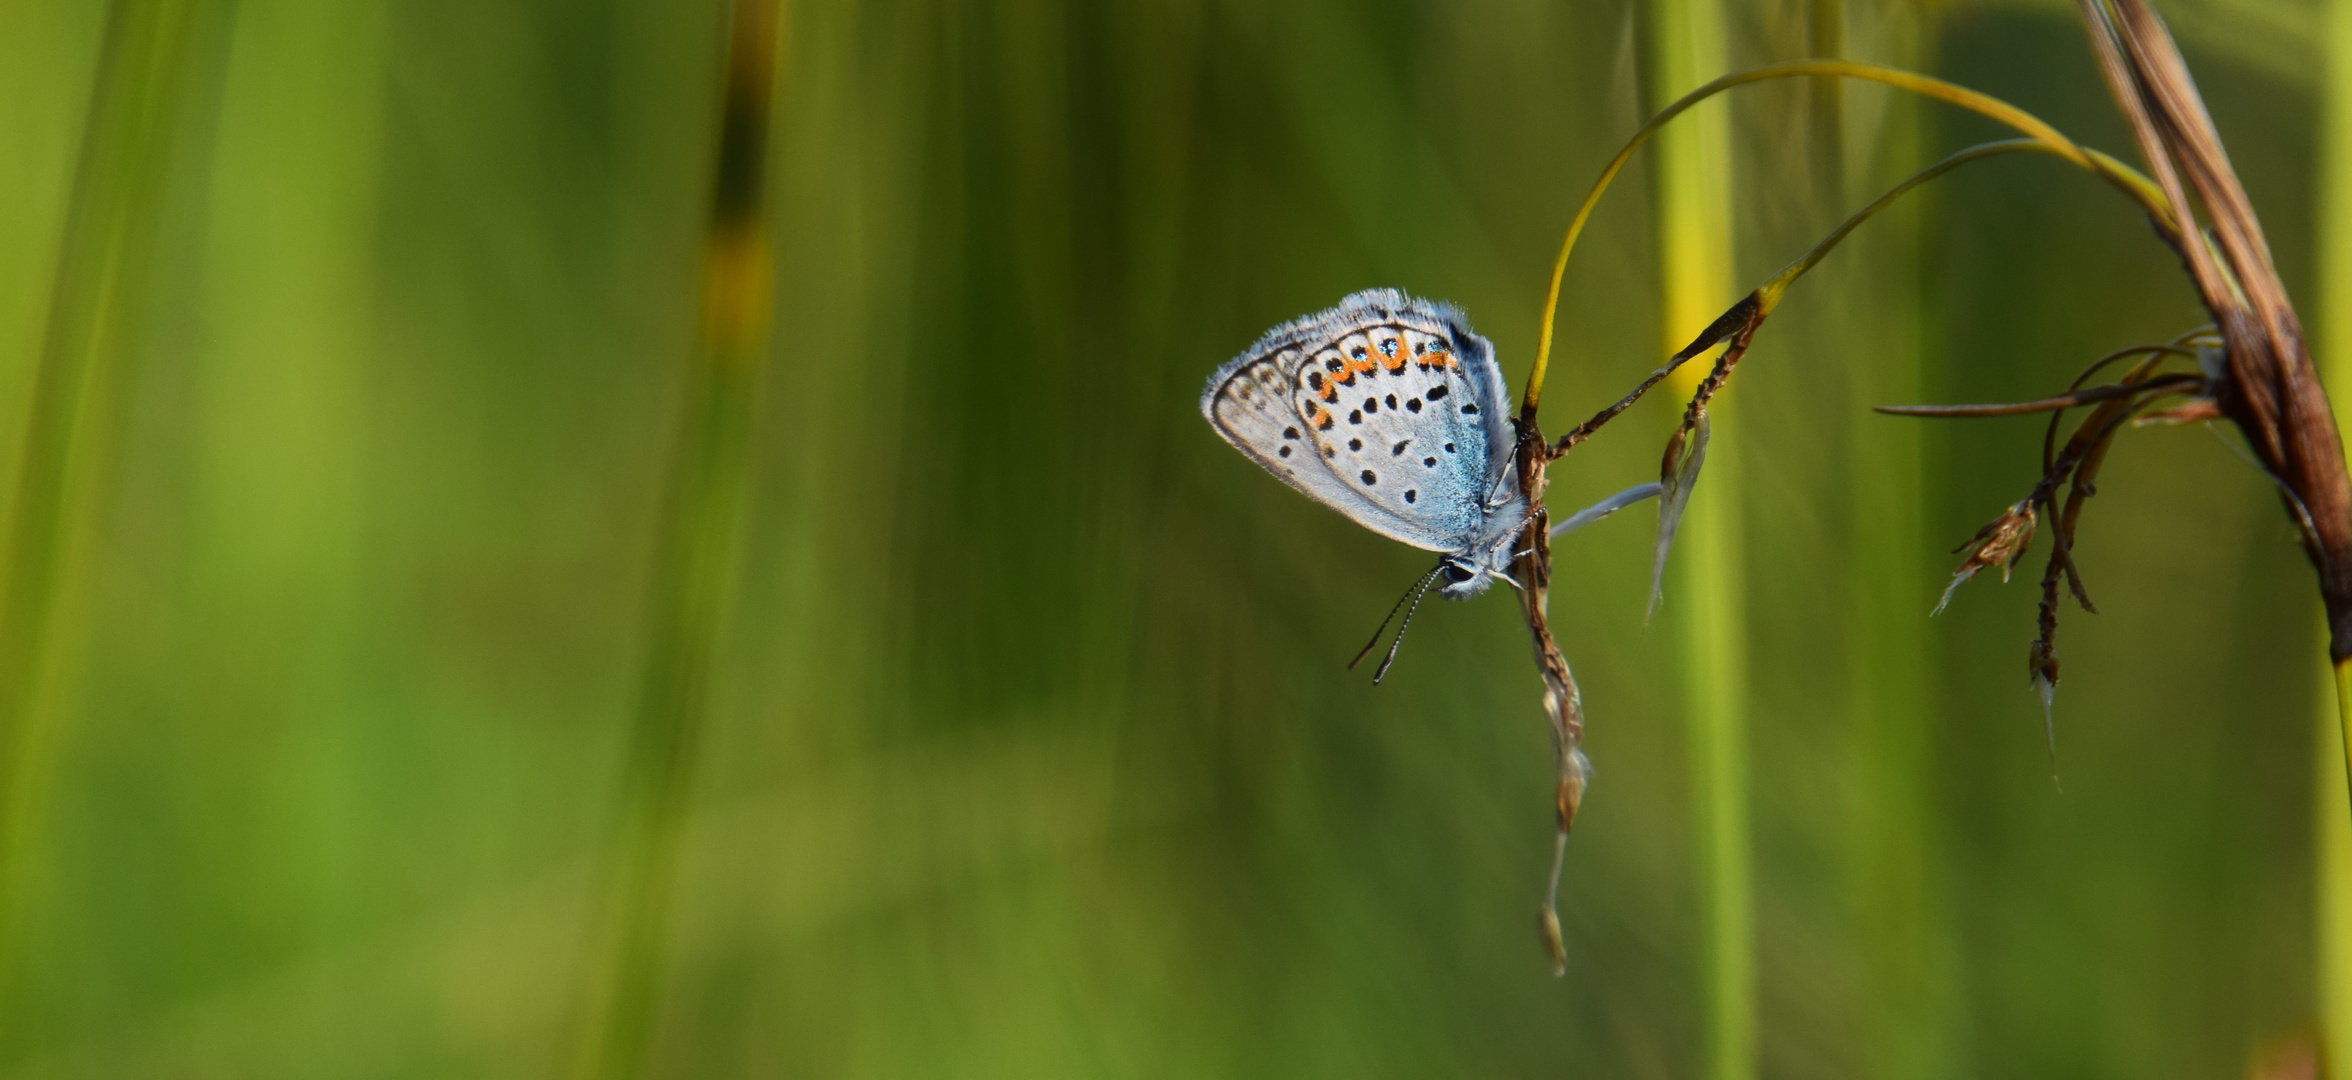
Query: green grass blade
{"points": [[1881, 335], [696, 557], [95, 320], [1694, 206]]}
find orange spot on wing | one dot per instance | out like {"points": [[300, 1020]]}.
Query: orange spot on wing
{"points": [[1396, 356]]}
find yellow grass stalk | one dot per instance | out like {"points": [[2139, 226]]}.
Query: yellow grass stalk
{"points": [[1694, 193]]}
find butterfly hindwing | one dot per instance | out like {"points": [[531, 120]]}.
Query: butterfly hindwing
{"points": [[1385, 408], [1252, 409]]}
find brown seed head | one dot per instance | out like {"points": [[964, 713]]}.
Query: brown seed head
{"points": [[2000, 543]]}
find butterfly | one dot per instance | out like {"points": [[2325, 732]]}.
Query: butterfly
{"points": [[1392, 411]]}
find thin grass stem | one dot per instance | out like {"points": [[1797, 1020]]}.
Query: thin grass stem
{"points": [[2175, 383], [707, 483], [2344, 718], [1770, 292], [2332, 738], [2123, 176], [1760, 303], [2332, 874]]}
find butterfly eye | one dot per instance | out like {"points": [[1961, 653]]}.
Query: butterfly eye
{"points": [[1456, 572]]}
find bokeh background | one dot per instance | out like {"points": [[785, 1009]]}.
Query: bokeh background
{"points": [[1028, 749]]}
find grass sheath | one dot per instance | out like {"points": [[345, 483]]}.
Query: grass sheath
{"points": [[97, 309], [696, 555]]}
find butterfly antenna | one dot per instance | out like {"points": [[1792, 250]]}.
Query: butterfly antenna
{"points": [[1410, 593], [1399, 643]]}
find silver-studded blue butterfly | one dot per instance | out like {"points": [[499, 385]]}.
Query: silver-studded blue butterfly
{"points": [[1391, 410]]}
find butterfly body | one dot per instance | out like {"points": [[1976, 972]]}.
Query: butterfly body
{"points": [[1392, 411]]}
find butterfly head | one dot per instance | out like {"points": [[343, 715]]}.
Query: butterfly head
{"points": [[1467, 574]]}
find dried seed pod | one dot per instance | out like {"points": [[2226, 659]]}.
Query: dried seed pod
{"points": [[2000, 543]]}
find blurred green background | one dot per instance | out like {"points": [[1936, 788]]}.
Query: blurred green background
{"points": [[1029, 751]]}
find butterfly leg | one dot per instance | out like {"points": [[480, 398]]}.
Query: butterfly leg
{"points": [[1604, 508]]}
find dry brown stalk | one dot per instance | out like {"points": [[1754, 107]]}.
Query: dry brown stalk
{"points": [[2266, 384]]}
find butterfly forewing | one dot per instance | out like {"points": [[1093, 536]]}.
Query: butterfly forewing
{"points": [[1406, 422]]}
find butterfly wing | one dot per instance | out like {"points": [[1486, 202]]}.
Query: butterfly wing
{"points": [[1386, 408]]}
